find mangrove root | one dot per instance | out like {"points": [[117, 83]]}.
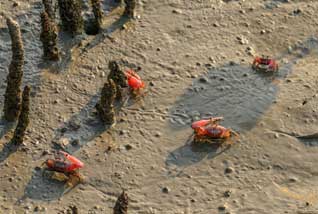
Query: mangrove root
{"points": [[71, 16], [105, 107], [130, 8], [12, 97], [121, 206], [23, 122], [118, 76], [49, 37]]}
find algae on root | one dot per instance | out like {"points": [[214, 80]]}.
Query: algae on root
{"points": [[49, 37], [12, 97], [71, 16], [105, 106], [118, 76], [98, 14], [23, 122]]}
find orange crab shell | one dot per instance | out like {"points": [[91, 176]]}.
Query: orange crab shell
{"points": [[134, 80], [63, 166], [214, 131], [271, 63]]}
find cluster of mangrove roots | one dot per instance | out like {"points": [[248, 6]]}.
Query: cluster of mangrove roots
{"points": [[71, 16], [49, 36], [118, 76], [105, 106], [121, 206], [23, 121], [12, 97]]}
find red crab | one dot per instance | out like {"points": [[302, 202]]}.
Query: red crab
{"points": [[209, 130], [65, 167], [134, 81], [265, 64]]}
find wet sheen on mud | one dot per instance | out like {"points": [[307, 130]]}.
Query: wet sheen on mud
{"points": [[235, 92]]}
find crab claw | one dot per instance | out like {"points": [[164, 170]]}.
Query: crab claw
{"points": [[75, 163], [205, 122], [200, 123]]}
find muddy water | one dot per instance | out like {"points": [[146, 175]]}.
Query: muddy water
{"points": [[236, 92]]}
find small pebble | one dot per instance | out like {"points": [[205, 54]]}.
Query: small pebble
{"points": [[227, 193], [229, 170], [293, 179], [165, 190], [128, 147], [222, 207], [177, 11]]}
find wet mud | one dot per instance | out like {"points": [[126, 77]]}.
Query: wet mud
{"points": [[185, 63]]}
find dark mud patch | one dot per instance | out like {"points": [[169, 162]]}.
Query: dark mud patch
{"points": [[190, 153], [81, 128], [274, 3], [308, 140], [238, 93]]}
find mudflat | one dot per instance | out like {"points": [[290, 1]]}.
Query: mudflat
{"points": [[195, 57]]}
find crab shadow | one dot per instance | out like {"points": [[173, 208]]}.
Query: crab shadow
{"points": [[81, 128], [7, 150], [43, 188], [191, 153]]}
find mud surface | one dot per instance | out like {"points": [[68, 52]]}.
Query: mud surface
{"points": [[195, 57]]}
